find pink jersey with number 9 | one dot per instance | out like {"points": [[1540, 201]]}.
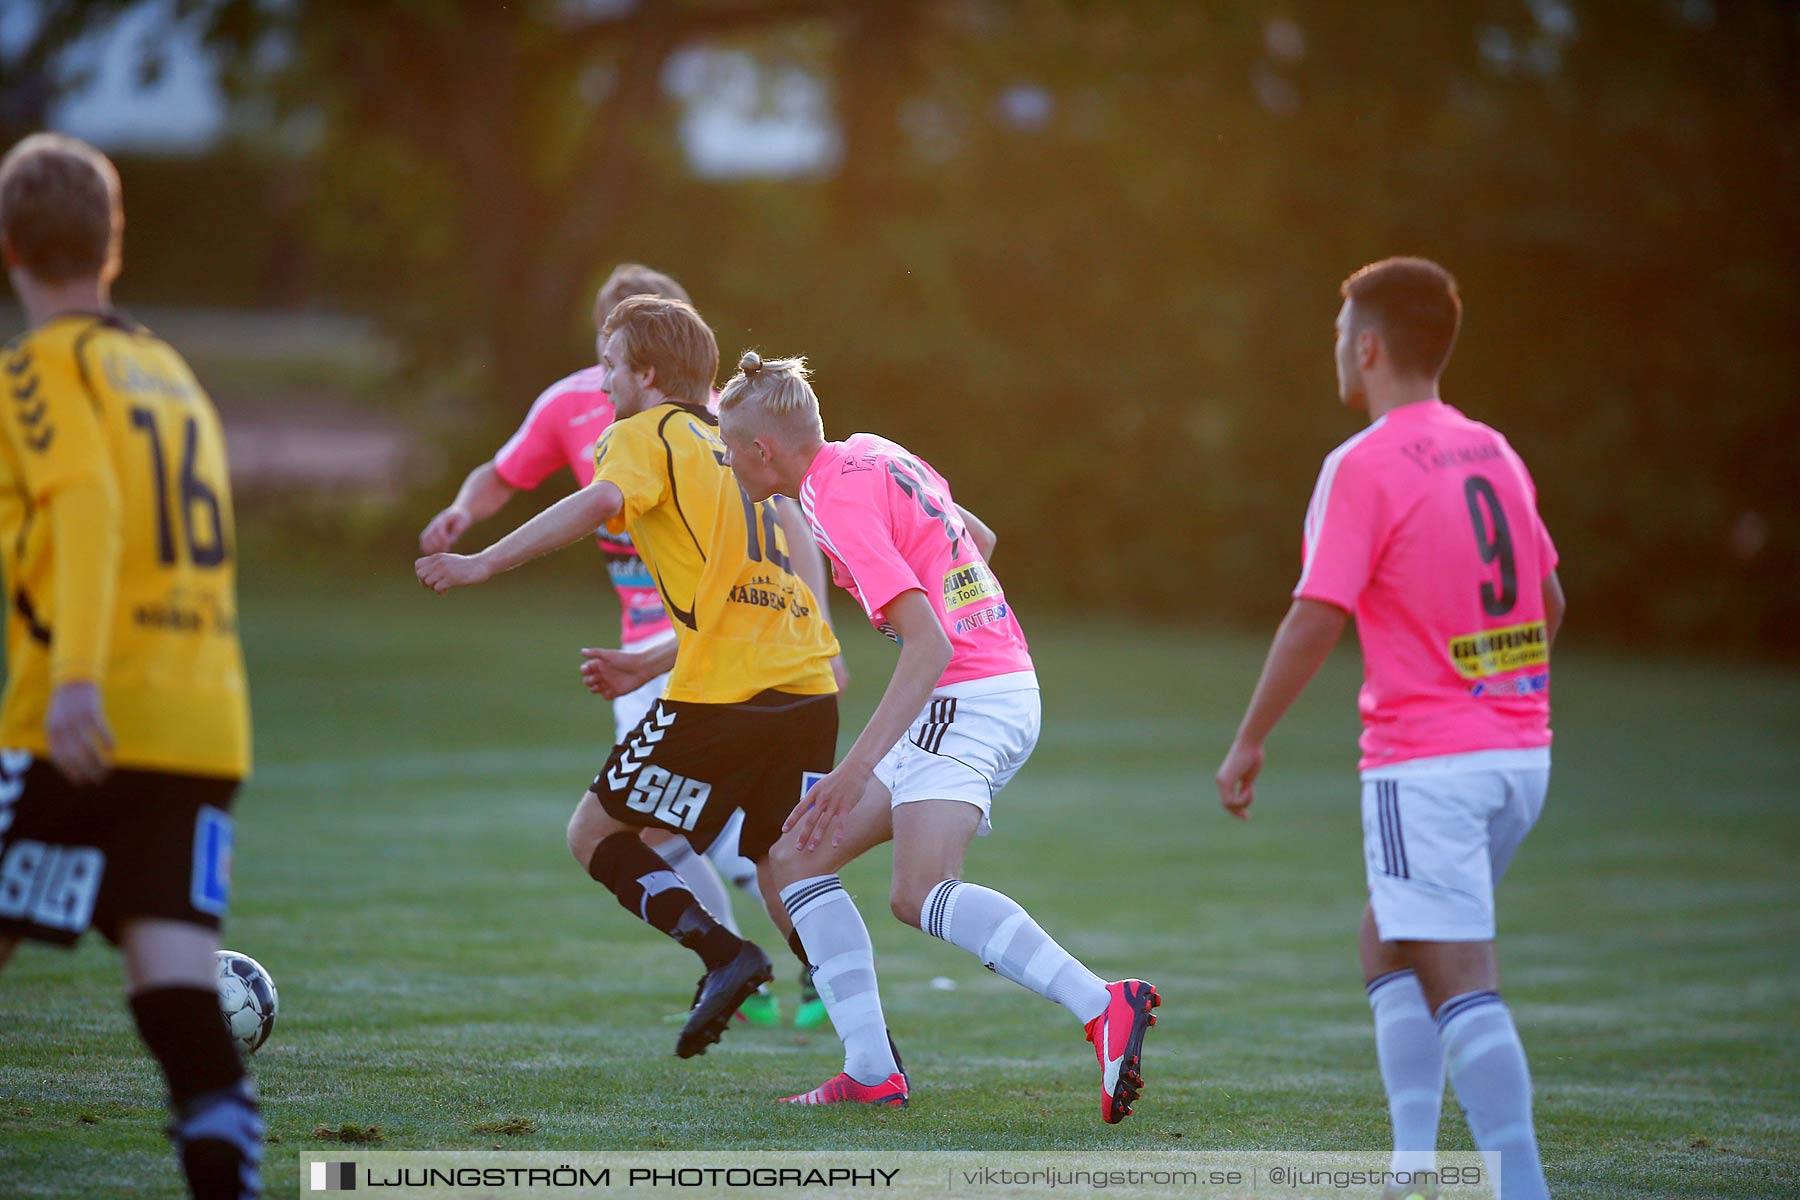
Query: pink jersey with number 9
{"points": [[889, 525], [1425, 526]]}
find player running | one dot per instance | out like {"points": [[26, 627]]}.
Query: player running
{"points": [[125, 716], [751, 704], [958, 720], [560, 430], [1425, 526]]}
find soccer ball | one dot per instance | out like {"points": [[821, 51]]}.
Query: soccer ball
{"points": [[247, 998]]}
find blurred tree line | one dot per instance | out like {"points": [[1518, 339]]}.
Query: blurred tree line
{"points": [[1082, 255]]}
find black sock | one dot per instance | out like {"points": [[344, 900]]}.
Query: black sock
{"points": [[647, 889], [218, 1129], [799, 952], [185, 1033]]}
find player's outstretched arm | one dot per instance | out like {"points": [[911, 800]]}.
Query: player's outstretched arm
{"points": [[1301, 645], [985, 537], [613, 673], [483, 493], [924, 653], [569, 520]]}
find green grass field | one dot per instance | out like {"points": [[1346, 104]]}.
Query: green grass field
{"points": [[444, 965]]}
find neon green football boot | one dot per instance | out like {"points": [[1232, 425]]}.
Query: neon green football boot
{"points": [[762, 1009]]}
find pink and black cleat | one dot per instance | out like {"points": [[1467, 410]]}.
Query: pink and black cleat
{"points": [[1118, 1037], [845, 1090]]}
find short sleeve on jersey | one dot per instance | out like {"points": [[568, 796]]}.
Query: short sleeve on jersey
{"points": [[853, 526], [531, 455], [630, 456], [1341, 540]]}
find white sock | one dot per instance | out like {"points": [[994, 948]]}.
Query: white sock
{"points": [[1493, 1083], [737, 870], [1412, 1068], [993, 928], [837, 944], [700, 878]]}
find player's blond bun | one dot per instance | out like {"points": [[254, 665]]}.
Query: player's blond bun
{"points": [[776, 391]]}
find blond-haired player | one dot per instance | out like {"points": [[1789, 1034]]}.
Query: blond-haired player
{"points": [[559, 430], [958, 720], [125, 718], [750, 709]]}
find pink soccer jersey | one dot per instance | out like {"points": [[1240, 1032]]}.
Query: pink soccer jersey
{"points": [[560, 431], [888, 524], [1425, 526]]}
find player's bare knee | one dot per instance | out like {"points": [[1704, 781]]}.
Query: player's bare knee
{"points": [[583, 838], [1378, 957], [782, 862], [163, 953], [907, 900]]}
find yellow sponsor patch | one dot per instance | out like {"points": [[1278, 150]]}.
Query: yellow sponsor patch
{"points": [[963, 586], [1498, 651]]}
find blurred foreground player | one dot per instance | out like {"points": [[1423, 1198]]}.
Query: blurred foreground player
{"points": [[750, 710], [1425, 526], [125, 718], [959, 718]]}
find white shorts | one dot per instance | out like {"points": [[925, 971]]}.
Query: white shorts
{"points": [[1438, 833], [630, 709], [967, 744]]}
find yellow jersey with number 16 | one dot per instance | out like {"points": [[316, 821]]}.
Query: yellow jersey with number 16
{"points": [[745, 623], [118, 547]]}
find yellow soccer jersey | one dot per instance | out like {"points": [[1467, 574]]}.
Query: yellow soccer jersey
{"points": [[745, 622], [118, 548]]}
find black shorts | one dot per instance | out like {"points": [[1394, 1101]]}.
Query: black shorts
{"points": [[687, 766], [141, 844]]}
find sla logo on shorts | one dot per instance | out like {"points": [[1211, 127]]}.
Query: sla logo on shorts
{"points": [[673, 798], [52, 886], [808, 778]]}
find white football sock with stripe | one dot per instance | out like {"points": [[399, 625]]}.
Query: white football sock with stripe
{"points": [[698, 874], [1412, 1068], [843, 961], [1493, 1083], [993, 928]]}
